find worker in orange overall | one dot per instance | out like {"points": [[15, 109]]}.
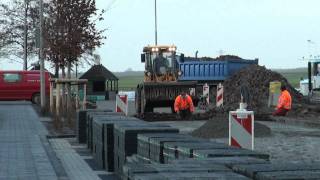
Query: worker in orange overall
{"points": [[284, 103], [183, 105]]}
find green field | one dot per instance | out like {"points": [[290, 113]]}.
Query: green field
{"points": [[293, 76], [129, 82]]}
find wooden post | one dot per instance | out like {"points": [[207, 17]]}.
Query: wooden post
{"points": [[51, 97], [84, 96], [58, 100]]}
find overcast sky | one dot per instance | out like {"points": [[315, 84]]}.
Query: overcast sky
{"points": [[275, 31]]}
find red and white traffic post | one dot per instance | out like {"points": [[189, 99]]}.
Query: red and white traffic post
{"points": [[206, 91], [219, 98], [241, 128], [122, 104]]}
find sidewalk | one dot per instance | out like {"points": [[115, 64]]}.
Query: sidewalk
{"points": [[22, 152]]}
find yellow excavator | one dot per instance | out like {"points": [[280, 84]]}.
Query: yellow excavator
{"points": [[160, 86]]}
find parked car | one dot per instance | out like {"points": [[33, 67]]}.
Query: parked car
{"points": [[22, 85]]}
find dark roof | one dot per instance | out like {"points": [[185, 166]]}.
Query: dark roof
{"points": [[98, 72]]}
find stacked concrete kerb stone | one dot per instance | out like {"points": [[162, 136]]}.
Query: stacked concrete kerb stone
{"points": [[90, 117], [109, 141], [125, 140], [186, 150], [103, 138], [150, 145], [279, 171], [137, 171], [209, 153], [138, 150], [81, 124]]}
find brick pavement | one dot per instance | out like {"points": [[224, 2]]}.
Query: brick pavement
{"points": [[75, 166], [22, 154]]}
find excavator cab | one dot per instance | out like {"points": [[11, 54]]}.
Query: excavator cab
{"points": [[161, 64]]}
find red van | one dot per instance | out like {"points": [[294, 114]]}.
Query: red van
{"points": [[22, 85]]}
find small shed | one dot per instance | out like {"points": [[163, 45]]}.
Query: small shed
{"points": [[101, 82]]}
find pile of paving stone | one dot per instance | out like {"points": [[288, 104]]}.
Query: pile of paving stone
{"points": [[138, 150], [255, 80]]}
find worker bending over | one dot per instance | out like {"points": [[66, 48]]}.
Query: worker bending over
{"points": [[284, 103], [183, 105]]}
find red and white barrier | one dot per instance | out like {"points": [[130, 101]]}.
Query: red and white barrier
{"points": [[192, 91], [219, 98], [241, 129], [122, 104], [206, 90]]}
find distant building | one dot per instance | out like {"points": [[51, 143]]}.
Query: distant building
{"points": [[101, 82]]}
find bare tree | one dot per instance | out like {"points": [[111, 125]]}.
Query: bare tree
{"points": [[70, 33], [18, 29]]}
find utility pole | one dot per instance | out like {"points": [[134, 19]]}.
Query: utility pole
{"points": [[155, 22], [42, 74], [25, 36]]}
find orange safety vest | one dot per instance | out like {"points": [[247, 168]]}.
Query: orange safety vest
{"points": [[183, 103], [285, 100]]}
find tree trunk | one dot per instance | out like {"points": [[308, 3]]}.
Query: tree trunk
{"points": [[56, 70], [63, 99], [69, 101], [25, 36]]}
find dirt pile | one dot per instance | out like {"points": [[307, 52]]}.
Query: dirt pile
{"points": [[218, 127], [256, 80]]}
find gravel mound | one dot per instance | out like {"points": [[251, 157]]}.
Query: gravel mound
{"points": [[218, 127]]}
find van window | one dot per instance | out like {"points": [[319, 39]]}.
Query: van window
{"points": [[11, 77]]}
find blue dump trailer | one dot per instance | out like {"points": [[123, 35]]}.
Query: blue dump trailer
{"points": [[211, 71]]}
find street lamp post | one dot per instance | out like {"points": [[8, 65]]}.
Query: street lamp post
{"points": [[25, 36], [41, 59], [155, 22]]}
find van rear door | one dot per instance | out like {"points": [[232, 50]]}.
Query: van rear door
{"points": [[32, 83]]}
